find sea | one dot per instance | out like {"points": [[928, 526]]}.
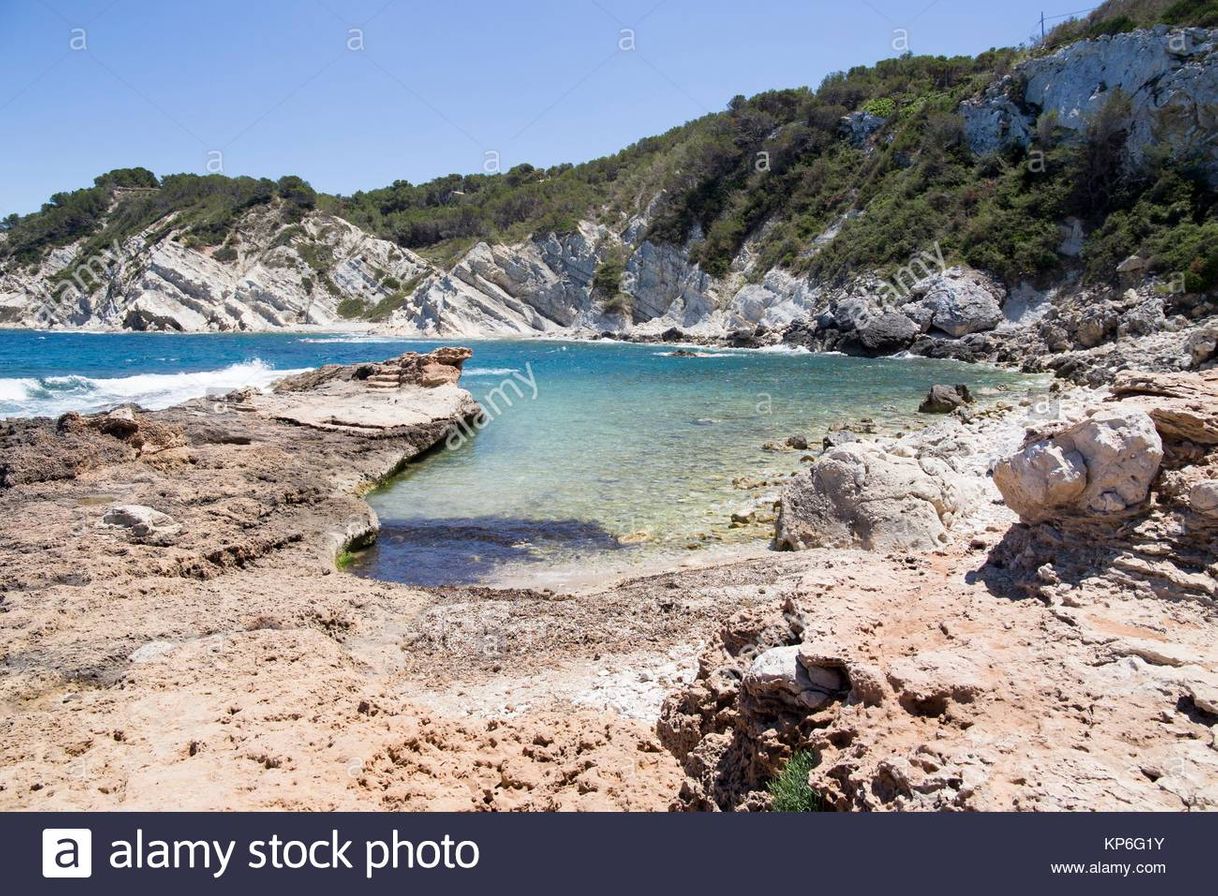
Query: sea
{"points": [[590, 452]]}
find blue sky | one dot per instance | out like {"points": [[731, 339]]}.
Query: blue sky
{"points": [[272, 85]]}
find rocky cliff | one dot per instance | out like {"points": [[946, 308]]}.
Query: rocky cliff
{"points": [[275, 275], [1168, 78], [618, 278]]}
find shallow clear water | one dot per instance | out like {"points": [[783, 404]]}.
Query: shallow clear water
{"points": [[625, 441], [591, 450]]}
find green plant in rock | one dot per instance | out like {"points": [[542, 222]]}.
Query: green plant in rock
{"points": [[789, 791], [318, 256], [351, 308], [607, 280], [883, 106]]}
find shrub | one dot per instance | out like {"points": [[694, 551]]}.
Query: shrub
{"points": [[883, 106], [607, 280], [225, 254], [1192, 12], [789, 792], [620, 304], [127, 177], [318, 256], [351, 308]]}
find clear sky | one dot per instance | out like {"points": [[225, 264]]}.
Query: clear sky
{"points": [[422, 88]]}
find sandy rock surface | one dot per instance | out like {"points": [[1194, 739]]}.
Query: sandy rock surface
{"points": [[228, 664]]}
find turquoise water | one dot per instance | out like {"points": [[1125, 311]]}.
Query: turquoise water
{"points": [[590, 449], [625, 450]]}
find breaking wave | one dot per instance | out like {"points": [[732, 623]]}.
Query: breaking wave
{"points": [[350, 339], [489, 371], [54, 395]]}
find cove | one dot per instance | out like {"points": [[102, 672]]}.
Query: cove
{"points": [[627, 451]]}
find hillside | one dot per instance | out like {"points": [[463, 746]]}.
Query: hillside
{"points": [[1081, 167]]}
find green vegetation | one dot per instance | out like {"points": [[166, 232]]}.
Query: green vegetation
{"points": [[351, 308], [789, 792], [781, 159], [882, 106], [344, 559], [607, 285], [391, 303], [1117, 16], [318, 256], [206, 210], [608, 277]]}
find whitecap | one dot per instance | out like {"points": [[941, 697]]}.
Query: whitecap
{"points": [[54, 395], [784, 349], [350, 339], [489, 371]]}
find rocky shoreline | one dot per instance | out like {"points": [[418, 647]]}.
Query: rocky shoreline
{"points": [[173, 623]]}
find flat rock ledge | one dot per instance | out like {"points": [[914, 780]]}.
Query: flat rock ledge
{"points": [[222, 481]]}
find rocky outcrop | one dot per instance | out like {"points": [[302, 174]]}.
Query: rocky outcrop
{"points": [[1183, 406], [922, 701], [1099, 467], [281, 276], [860, 495], [1168, 77], [944, 399]]}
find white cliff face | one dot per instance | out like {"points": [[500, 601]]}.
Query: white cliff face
{"points": [[1169, 76], [536, 287], [283, 276]]}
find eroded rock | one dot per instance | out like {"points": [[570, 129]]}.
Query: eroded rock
{"points": [[1101, 466], [145, 525], [779, 679], [861, 496]]}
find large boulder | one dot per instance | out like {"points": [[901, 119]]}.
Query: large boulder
{"points": [[958, 301], [1102, 466], [859, 495], [943, 399], [889, 333]]}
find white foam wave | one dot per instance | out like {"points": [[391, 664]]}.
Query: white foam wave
{"points": [[489, 371], [783, 349], [350, 339], [54, 395]]}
